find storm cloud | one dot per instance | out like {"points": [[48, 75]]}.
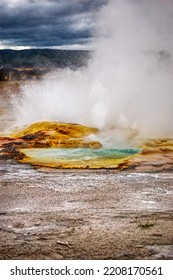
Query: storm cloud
{"points": [[47, 23]]}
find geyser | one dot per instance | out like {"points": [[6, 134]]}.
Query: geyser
{"points": [[128, 83]]}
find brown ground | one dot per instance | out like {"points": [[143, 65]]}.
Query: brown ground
{"points": [[84, 215]]}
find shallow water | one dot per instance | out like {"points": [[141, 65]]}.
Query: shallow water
{"points": [[77, 158], [83, 154]]}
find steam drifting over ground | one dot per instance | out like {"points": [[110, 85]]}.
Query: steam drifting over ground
{"points": [[128, 83]]}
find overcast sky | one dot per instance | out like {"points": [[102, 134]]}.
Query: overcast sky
{"points": [[47, 23]]}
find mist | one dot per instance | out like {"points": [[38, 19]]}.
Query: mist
{"points": [[128, 83]]}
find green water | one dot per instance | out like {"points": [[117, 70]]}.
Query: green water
{"points": [[82, 154]]}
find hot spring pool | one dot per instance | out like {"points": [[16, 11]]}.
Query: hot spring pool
{"points": [[74, 158]]}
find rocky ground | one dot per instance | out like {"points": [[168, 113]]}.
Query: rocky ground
{"points": [[84, 214]]}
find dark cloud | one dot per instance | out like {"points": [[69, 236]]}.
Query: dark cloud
{"points": [[46, 23]]}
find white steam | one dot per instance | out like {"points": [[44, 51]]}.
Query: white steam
{"points": [[128, 84]]}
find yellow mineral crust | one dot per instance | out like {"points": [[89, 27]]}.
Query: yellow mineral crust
{"points": [[56, 130], [54, 135], [156, 155]]}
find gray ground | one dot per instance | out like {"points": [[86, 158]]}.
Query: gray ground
{"points": [[84, 214]]}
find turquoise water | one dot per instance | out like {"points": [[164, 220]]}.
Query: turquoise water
{"points": [[82, 154]]}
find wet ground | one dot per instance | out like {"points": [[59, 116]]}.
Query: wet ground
{"points": [[84, 215]]}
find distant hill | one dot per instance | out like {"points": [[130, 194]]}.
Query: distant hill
{"points": [[43, 58]]}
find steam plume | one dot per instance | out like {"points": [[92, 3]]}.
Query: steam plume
{"points": [[128, 83]]}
